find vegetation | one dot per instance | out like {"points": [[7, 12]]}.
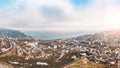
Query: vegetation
{"points": [[84, 63]]}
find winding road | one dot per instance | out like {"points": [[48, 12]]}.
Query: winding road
{"points": [[4, 64]]}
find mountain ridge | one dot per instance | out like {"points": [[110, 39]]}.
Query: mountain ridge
{"points": [[9, 33]]}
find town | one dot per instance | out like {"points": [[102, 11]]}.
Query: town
{"points": [[99, 48]]}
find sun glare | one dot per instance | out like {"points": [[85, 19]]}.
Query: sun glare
{"points": [[113, 19]]}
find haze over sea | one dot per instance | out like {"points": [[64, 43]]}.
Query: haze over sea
{"points": [[48, 35]]}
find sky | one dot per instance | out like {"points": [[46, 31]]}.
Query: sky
{"points": [[60, 15]]}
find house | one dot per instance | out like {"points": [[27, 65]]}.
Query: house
{"points": [[118, 61]]}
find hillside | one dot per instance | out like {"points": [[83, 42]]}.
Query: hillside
{"points": [[8, 33], [111, 38], [99, 49], [84, 63]]}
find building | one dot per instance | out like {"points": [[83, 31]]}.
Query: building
{"points": [[118, 61]]}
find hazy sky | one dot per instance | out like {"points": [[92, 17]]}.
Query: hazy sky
{"points": [[60, 14]]}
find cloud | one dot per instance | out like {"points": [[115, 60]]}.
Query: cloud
{"points": [[52, 13], [60, 14]]}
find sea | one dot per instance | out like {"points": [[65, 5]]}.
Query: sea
{"points": [[48, 35]]}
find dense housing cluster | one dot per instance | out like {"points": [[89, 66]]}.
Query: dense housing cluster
{"points": [[99, 48]]}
